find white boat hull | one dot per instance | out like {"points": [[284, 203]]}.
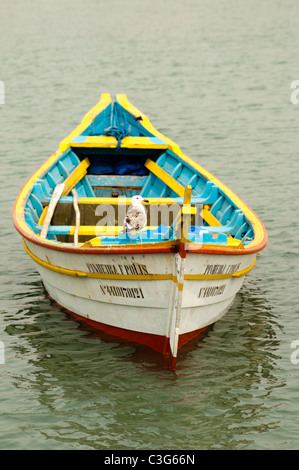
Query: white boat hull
{"points": [[135, 296]]}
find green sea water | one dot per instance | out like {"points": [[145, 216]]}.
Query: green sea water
{"points": [[214, 76]]}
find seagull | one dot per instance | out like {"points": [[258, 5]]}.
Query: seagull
{"points": [[136, 217]]}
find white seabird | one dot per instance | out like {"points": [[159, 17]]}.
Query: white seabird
{"points": [[136, 218]]}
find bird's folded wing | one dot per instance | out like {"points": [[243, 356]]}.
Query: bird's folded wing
{"points": [[135, 218]]}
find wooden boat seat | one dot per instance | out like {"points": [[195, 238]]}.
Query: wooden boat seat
{"points": [[165, 177], [116, 185], [77, 174]]}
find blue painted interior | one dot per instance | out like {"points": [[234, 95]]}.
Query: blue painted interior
{"points": [[200, 235], [149, 185]]}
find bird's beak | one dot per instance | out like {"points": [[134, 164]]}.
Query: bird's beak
{"points": [[145, 200]]}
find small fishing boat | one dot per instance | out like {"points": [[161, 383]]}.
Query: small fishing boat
{"points": [[159, 280]]}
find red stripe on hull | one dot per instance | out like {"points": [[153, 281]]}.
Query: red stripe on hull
{"points": [[186, 337], [157, 343]]}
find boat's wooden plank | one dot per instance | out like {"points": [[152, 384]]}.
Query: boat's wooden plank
{"points": [[43, 216], [127, 200], [186, 213], [209, 218], [77, 211], [185, 219], [181, 224], [117, 180], [130, 142], [53, 203], [165, 177], [77, 174], [90, 230]]}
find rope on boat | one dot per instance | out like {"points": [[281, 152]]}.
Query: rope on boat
{"points": [[117, 130]]}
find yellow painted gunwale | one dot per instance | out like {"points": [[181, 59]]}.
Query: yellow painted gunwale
{"points": [[146, 277], [111, 142]]}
